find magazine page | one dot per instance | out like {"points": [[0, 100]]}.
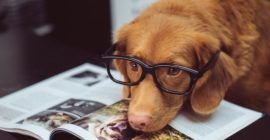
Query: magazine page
{"points": [[50, 92], [111, 123], [71, 132], [69, 110], [51, 99], [41, 124], [227, 120], [29, 130], [41, 105]]}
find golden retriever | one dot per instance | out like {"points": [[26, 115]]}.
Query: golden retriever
{"points": [[189, 33]]}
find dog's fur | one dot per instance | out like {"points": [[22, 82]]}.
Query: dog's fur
{"points": [[189, 32]]}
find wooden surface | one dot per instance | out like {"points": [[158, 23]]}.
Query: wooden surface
{"points": [[26, 59]]}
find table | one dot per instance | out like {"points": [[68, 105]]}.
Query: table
{"points": [[26, 59]]}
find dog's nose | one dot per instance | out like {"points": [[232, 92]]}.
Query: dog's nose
{"points": [[139, 121]]}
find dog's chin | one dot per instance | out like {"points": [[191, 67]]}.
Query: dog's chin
{"points": [[148, 129], [153, 127]]}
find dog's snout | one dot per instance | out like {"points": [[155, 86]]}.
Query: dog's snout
{"points": [[139, 121]]}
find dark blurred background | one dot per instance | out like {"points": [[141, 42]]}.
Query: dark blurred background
{"points": [[81, 23], [84, 23]]}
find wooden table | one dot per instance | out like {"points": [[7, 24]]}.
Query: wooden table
{"points": [[26, 59]]}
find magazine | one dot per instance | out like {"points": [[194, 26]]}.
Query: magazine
{"points": [[83, 103]]}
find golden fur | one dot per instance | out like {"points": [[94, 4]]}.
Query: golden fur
{"points": [[189, 32]]}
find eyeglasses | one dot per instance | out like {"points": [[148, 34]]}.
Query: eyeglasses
{"points": [[169, 78]]}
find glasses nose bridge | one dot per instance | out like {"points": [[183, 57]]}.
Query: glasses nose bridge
{"points": [[149, 70]]}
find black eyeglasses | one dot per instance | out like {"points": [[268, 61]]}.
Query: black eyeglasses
{"points": [[170, 78]]}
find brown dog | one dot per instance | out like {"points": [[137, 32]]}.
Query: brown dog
{"points": [[189, 33]]}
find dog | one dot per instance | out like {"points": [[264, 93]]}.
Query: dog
{"points": [[189, 33]]}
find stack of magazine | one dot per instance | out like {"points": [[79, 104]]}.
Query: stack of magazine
{"points": [[83, 103]]}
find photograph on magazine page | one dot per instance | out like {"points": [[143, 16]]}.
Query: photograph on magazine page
{"points": [[111, 123], [63, 113], [87, 78]]}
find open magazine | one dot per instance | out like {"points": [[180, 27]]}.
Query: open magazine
{"points": [[83, 103]]}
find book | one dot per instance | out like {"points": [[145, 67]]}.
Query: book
{"points": [[83, 103]]}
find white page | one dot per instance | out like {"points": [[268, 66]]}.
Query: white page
{"points": [[228, 119], [9, 114], [67, 84], [106, 92], [31, 101]]}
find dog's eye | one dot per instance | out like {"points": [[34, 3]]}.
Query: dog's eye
{"points": [[174, 71], [134, 66]]}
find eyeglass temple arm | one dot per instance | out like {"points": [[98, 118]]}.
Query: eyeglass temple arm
{"points": [[209, 64], [111, 49]]}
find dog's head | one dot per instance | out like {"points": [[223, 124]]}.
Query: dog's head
{"points": [[166, 39]]}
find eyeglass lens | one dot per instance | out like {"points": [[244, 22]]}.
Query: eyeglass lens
{"points": [[132, 70], [173, 78], [168, 77]]}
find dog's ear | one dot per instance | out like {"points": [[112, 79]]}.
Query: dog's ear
{"points": [[211, 87], [119, 64], [120, 42], [121, 67]]}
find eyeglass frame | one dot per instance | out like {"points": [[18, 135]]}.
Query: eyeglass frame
{"points": [[150, 69]]}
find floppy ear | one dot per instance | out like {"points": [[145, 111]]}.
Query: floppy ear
{"points": [[210, 89], [121, 41], [121, 67], [118, 64]]}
